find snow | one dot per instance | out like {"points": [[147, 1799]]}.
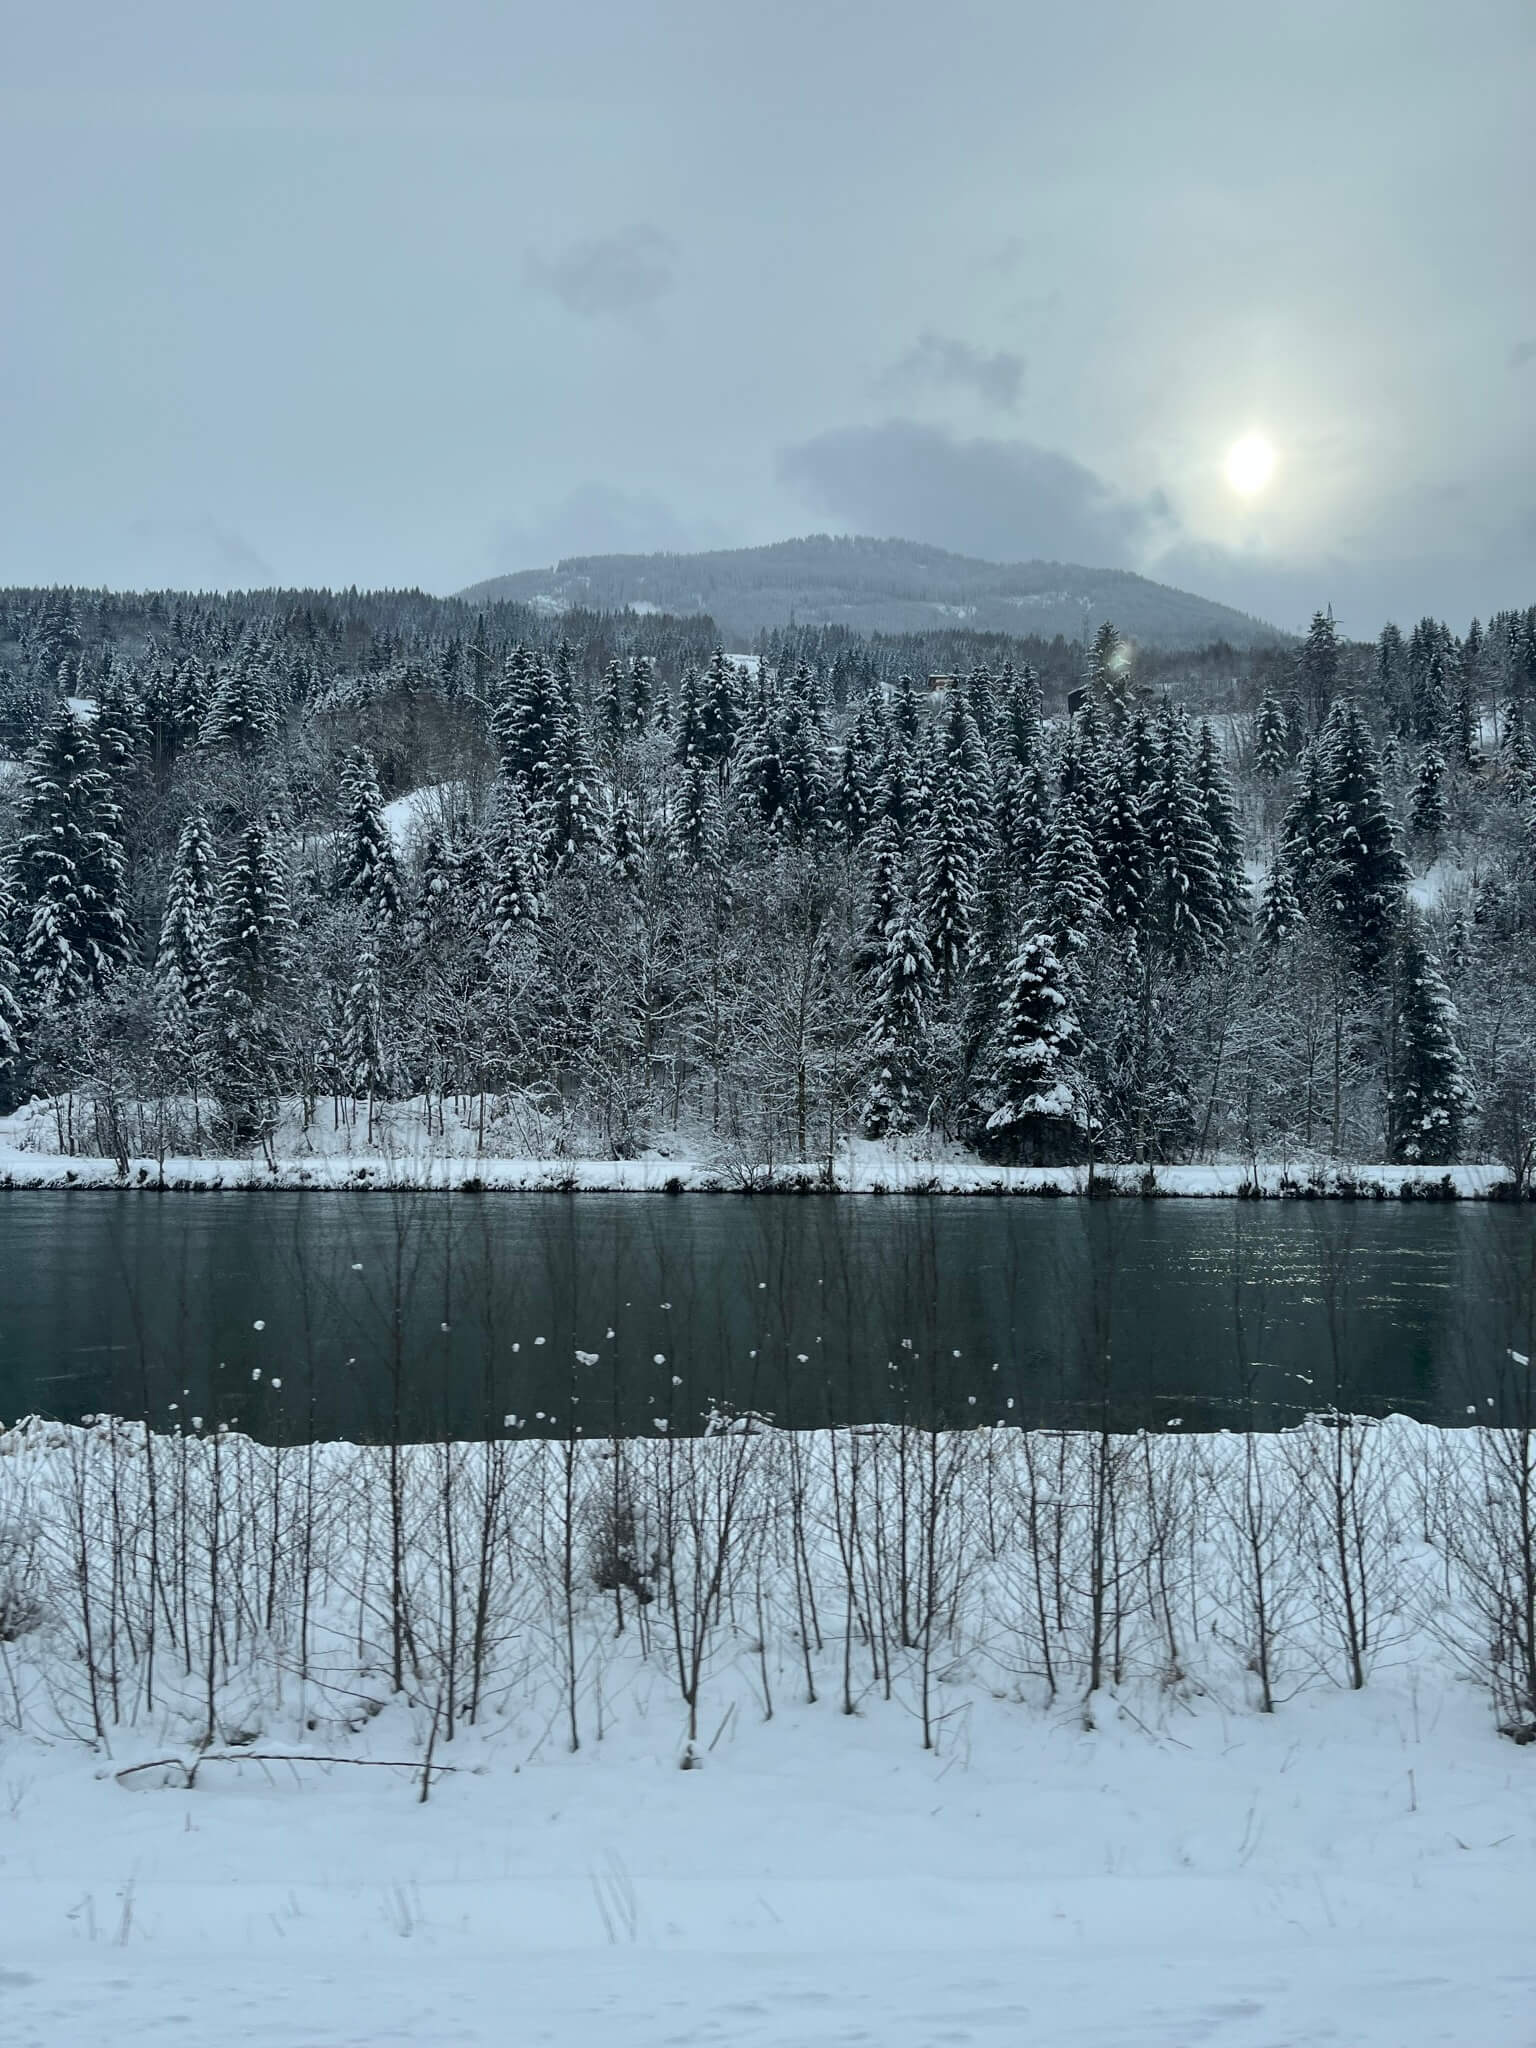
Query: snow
{"points": [[82, 707], [520, 1148], [408, 818], [1438, 881], [1355, 1870], [819, 1881]]}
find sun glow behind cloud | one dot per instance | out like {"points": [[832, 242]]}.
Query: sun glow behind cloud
{"points": [[1250, 464]]}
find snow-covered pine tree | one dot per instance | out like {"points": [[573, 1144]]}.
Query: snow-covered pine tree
{"points": [[514, 892], [368, 871], [10, 978], [365, 1061], [1280, 913], [527, 719], [1430, 1096], [1304, 834], [688, 728], [895, 1101], [573, 807], [1214, 788], [242, 709], [1187, 908], [250, 974], [626, 855], [857, 795], [1270, 754], [760, 776], [642, 683], [183, 958], [1124, 855], [954, 839], [612, 706], [882, 893], [801, 743], [1428, 814], [720, 712], [1029, 1108], [1071, 886], [69, 868], [1317, 668], [696, 826], [1021, 727], [1364, 872]]}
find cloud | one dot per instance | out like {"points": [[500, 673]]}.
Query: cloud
{"points": [[944, 361], [594, 519], [609, 275], [1522, 353], [1003, 500]]}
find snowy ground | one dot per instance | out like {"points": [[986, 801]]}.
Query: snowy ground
{"points": [[1358, 1869], [505, 1152]]}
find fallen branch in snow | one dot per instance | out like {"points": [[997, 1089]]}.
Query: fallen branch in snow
{"points": [[258, 1756]]}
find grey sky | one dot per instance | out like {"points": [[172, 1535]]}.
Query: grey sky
{"points": [[397, 293]]}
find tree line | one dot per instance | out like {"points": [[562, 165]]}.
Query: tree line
{"points": [[659, 897]]}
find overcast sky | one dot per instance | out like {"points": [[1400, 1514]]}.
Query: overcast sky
{"points": [[390, 293]]}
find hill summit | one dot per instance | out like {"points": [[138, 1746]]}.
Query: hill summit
{"points": [[881, 586]]}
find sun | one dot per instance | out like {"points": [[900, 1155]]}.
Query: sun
{"points": [[1250, 464]]}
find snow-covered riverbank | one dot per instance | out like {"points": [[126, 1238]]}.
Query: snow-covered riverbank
{"points": [[44, 1146], [669, 1701]]}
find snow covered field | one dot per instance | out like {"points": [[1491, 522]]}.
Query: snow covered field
{"points": [[1356, 1870], [1155, 1866]]}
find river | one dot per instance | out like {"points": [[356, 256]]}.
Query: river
{"points": [[320, 1315]]}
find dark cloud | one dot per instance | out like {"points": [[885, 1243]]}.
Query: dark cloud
{"points": [[944, 361], [610, 274], [1002, 500], [1522, 353]]}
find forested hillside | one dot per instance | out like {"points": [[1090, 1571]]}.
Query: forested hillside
{"points": [[620, 893], [882, 586]]}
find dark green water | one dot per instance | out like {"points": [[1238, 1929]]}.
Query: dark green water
{"points": [[343, 1314]]}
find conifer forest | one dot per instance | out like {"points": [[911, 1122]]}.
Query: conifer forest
{"points": [[625, 892]]}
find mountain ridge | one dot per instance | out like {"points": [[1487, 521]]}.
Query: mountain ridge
{"points": [[891, 586]]}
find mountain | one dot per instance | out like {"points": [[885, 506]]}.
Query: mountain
{"points": [[880, 586]]}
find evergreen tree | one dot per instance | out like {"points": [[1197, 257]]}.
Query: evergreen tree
{"points": [[1188, 908], [1427, 819], [857, 800], [70, 868], [882, 895], [515, 897], [1270, 756], [527, 720], [953, 841], [626, 855], [1430, 1096], [1032, 1075], [1392, 680], [573, 808], [250, 973], [183, 958], [1429, 664], [697, 825], [720, 714], [242, 710], [1220, 807], [365, 1061], [1364, 874], [1304, 835], [612, 706], [1318, 667], [1071, 887], [1022, 722], [894, 1103], [10, 978], [642, 678], [368, 873], [1109, 668], [803, 764], [1279, 912], [1124, 855], [688, 733]]}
